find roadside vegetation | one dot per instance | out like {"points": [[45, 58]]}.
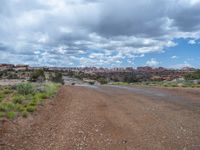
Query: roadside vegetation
{"points": [[56, 77], [190, 80], [160, 84], [37, 76], [193, 76], [173, 84], [23, 99]]}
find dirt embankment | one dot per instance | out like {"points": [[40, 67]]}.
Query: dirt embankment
{"points": [[110, 118]]}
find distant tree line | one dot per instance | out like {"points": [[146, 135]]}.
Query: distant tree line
{"points": [[193, 76], [40, 76]]}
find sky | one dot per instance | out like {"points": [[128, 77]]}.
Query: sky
{"points": [[100, 33]]}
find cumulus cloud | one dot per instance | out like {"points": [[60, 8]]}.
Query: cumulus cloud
{"points": [[98, 32], [174, 57], [152, 62], [191, 42]]}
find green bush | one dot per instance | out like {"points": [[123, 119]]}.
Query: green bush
{"points": [[6, 91], [41, 95], [193, 76], [31, 108], [56, 77], [91, 82], [102, 81], [37, 75], [2, 96], [51, 89], [2, 114], [25, 88], [25, 98], [34, 102], [7, 106], [18, 99], [25, 114], [120, 83], [11, 115], [20, 107]]}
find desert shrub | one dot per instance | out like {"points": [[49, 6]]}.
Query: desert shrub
{"points": [[197, 86], [174, 85], [31, 108], [37, 75], [12, 76], [102, 81], [11, 115], [2, 114], [25, 114], [168, 84], [7, 91], [25, 88], [56, 77], [20, 107], [40, 89], [51, 89], [41, 96], [193, 76], [2, 96], [130, 78], [29, 97], [25, 98], [34, 102], [18, 99], [7, 106], [120, 83], [91, 82]]}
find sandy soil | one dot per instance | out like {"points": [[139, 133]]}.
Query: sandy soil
{"points": [[110, 118]]}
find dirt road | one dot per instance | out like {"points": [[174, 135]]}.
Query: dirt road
{"points": [[110, 118]]}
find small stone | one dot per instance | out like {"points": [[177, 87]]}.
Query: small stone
{"points": [[124, 141]]}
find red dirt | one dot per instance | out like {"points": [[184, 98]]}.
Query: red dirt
{"points": [[110, 118]]}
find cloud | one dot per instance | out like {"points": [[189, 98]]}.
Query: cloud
{"points": [[152, 62], [182, 65], [174, 57], [191, 42], [100, 32]]}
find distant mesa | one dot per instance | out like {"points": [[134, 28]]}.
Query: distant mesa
{"points": [[4, 67], [22, 67]]}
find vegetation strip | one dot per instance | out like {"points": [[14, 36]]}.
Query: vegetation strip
{"points": [[22, 99]]}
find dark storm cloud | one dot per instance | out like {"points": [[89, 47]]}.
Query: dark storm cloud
{"points": [[188, 18], [149, 17], [72, 30], [129, 17], [3, 47]]}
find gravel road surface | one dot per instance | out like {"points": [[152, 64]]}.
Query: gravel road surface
{"points": [[109, 118]]}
